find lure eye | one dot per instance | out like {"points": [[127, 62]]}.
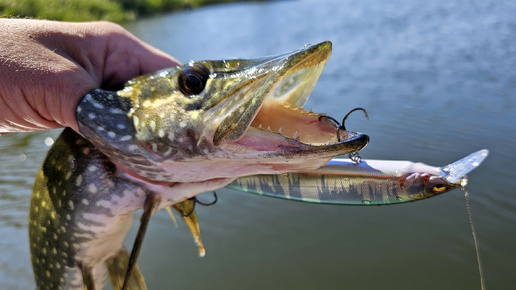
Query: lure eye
{"points": [[192, 79], [439, 188]]}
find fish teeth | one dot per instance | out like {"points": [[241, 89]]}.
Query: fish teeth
{"points": [[279, 130], [269, 128], [295, 136], [260, 126]]}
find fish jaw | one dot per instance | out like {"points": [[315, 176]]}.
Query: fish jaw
{"points": [[249, 113], [284, 79]]}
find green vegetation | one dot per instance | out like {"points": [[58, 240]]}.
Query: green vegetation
{"points": [[83, 10]]}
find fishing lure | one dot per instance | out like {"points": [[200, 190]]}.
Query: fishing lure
{"points": [[352, 182], [369, 182]]}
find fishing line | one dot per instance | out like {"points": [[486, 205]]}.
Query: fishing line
{"points": [[475, 239]]}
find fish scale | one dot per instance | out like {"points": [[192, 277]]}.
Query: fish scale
{"points": [[81, 212], [89, 206], [118, 140]]}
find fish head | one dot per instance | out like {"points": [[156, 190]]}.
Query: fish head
{"points": [[226, 118]]}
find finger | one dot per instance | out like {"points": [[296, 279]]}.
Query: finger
{"points": [[156, 60], [127, 57]]}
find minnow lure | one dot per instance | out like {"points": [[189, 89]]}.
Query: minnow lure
{"points": [[368, 182], [160, 141]]}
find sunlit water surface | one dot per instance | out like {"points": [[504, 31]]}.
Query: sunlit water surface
{"points": [[438, 79]]}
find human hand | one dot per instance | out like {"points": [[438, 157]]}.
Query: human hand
{"points": [[47, 66]]}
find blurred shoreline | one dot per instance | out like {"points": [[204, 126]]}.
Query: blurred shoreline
{"points": [[119, 11]]}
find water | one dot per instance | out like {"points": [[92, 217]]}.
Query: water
{"points": [[438, 80]]}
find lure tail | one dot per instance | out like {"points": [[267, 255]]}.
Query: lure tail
{"points": [[457, 170]]}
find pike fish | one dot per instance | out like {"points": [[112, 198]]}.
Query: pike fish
{"points": [[368, 182], [159, 142]]}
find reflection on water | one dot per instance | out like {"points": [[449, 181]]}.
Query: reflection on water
{"points": [[438, 81], [21, 156]]}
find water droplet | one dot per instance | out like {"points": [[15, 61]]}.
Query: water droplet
{"points": [[22, 157], [399, 198], [365, 201]]}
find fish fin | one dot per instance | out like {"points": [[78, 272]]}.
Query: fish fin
{"points": [[187, 211], [87, 277], [117, 267], [171, 214], [151, 203]]}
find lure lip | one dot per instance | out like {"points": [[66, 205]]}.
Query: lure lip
{"points": [[456, 172]]}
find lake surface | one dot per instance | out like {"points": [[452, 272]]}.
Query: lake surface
{"points": [[438, 79]]}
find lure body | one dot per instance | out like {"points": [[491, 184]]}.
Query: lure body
{"points": [[369, 182]]}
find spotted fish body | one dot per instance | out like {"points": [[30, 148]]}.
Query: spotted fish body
{"points": [[72, 213], [160, 141], [81, 211]]}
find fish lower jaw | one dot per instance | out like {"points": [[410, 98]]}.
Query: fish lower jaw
{"points": [[258, 142], [184, 184], [285, 123]]}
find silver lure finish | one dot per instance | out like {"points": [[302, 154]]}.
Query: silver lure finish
{"points": [[370, 182]]}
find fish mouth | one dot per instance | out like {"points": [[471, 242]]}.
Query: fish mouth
{"points": [[284, 127], [272, 118]]}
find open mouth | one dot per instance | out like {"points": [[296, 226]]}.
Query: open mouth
{"points": [[282, 124], [277, 122]]}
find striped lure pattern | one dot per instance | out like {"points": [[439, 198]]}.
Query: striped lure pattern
{"points": [[369, 182]]}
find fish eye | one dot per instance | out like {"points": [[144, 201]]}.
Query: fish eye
{"points": [[192, 79], [440, 188]]}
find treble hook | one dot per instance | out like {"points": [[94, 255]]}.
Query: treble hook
{"points": [[334, 121], [342, 126], [196, 200], [355, 157], [208, 203], [345, 117]]}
